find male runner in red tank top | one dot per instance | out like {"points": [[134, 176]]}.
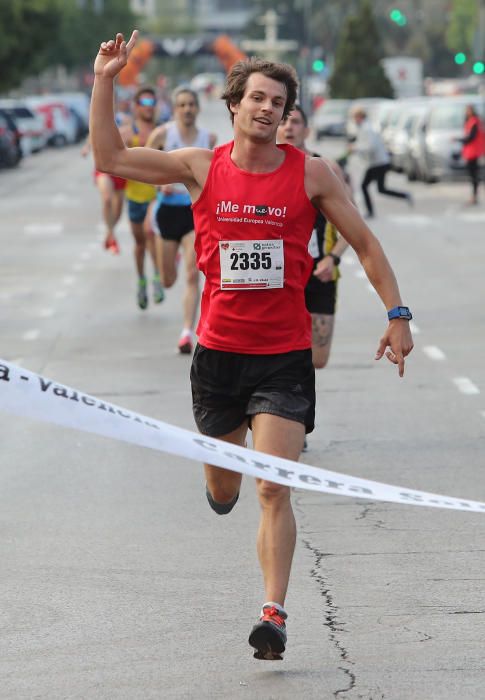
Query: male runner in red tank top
{"points": [[254, 212]]}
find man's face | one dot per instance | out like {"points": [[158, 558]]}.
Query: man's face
{"points": [[293, 130], [261, 108], [185, 109], [145, 107]]}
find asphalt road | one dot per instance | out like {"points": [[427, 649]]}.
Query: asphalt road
{"points": [[118, 582]]}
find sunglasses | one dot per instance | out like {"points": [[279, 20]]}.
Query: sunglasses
{"points": [[147, 101]]}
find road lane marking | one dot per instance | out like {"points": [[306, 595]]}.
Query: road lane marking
{"points": [[466, 386], [434, 353], [86, 255], [370, 288], [46, 313], [412, 220], [348, 260], [77, 267], [360, 274], [31, 334], [49, 230], [414, 328], [68, 279], [60, 294]]}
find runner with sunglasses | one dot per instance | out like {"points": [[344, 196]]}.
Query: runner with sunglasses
{"points": [[139, 194]]}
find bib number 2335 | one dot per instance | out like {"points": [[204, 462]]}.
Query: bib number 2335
{"points": [[252, 264]]}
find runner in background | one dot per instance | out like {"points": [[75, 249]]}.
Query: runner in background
{"points": [[173, 211], [139, 194], [112, 193]]}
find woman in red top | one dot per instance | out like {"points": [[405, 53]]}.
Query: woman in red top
{"points": [[473, 148]]}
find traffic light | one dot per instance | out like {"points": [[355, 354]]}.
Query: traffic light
{"points": [[398, 17], [460, 58], [318, 65], [479, 67]]}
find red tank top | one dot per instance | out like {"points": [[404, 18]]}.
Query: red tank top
{"points": [[238, 206]]}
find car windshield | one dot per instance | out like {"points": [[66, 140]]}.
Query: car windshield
{"points": [[449, 116], [334, 108], [22, 112]]}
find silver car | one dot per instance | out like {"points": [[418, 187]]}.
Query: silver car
{"points": [[443, 130], [330, 118]]}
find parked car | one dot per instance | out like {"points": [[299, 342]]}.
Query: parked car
{"points": [[399, 143], [330, 119], [59, 122], [33, 135], [443, 128], [414, 161], [12, 153], [78, 102], [9, 144]]}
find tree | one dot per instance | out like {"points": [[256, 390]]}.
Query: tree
{"points": [[37, 34], [463, 25], [357, 70], [26, 28]]}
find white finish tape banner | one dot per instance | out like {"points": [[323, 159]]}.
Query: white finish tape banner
{"points": [[30, 395]]}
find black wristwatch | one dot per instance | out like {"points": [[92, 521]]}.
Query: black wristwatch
{"points": [[399, 312], [335, 258]]}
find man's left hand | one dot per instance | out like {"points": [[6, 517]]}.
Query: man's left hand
{"points": [[399, 340]]}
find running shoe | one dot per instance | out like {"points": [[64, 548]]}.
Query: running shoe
{"points": [[141, 295], [268, 636], [158, 292], [113, 247], [221, 508], [185, 344]]}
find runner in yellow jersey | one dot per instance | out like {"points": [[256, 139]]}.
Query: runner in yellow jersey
{"points": [[139, 194]]}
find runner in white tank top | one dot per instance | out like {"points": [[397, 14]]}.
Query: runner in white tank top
{"points": [[173, 213]]}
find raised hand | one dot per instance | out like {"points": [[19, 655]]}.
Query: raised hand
{"points": [[113, 55]]}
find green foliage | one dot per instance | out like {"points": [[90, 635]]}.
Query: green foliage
{"points": [[357, 71], [26, 28], [36, 34], [463, 24]]}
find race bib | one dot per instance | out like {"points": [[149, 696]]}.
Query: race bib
{"points": [[252, 264], [313, 245]]}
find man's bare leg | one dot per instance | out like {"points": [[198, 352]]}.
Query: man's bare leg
{"points": [[191, 295], [224, 484], [322, 334], [277, 530]]}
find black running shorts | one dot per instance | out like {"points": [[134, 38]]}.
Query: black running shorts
{"points": [[174, 222], [228, 388], [320, 297]]}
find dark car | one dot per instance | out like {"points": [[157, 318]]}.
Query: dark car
{"points": [[10, 148], [9, 144]]}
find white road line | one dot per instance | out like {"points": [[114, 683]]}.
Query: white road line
{"points": [[472, 217], [49, 230], [60, 294], [68, 279], [32, 334], [46, 313], [414, 328], [77, 267], [92, 245], [349, 261], [370, 288], [360, 274], [434, 353], [466, 386], [86, 255], [412, 220]]}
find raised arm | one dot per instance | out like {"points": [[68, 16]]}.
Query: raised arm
{"points": [[328, 194], [189, 165]]}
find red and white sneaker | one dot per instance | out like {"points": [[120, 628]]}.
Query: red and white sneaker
{"points": [[185, 344], [268, 636]]}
